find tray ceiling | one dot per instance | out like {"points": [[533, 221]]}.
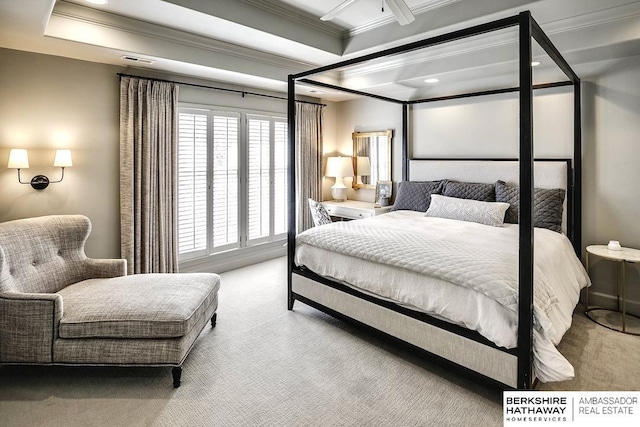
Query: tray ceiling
{"points": [[257, 43]]}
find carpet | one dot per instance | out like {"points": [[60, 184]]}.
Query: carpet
{"points": [[263, 365]]}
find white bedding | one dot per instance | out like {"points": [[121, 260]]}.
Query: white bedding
{"points": [[459, 292]]}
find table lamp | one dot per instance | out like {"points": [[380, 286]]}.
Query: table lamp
{"points": [[338, 168]]}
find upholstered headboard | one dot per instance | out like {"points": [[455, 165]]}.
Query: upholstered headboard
{"points": [[547, 174]]}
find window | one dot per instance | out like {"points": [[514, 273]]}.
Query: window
{"points": [[231, 180]]}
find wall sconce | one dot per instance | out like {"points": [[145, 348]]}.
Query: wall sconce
{"points": [[19, 159]]}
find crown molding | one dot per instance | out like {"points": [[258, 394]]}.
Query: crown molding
{"points": [[296, 15], [593, 19], [94, 17]]}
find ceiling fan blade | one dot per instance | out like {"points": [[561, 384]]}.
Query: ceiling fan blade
{"points": [[401, 11], [337, 10]]}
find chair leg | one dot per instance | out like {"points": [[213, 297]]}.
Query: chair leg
{"points": [[177, 373], [214, 319]]}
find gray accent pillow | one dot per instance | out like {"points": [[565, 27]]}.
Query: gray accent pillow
{"points": [[319, 213], [416, 195], [470, 190], [547, 205], [488, 213]]}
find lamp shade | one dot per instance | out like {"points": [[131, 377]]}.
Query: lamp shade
{"points": [[339, 167], [18, 159], [63, 159], [363, 166]]}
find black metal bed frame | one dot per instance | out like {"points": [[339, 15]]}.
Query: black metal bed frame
{"points": [[528, 29]]}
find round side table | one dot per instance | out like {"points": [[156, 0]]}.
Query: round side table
{"points": [[622, 257]]}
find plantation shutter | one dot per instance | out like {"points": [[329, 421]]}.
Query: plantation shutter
{"points": [[259, 182], [192, 182], [224, 202]]}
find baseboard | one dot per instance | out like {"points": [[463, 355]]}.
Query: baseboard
{"points": [[597, 299]]}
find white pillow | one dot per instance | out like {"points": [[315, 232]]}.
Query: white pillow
{"points": [[488, 213]]}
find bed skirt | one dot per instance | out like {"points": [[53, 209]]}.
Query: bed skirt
{"points": [[487, 361]]}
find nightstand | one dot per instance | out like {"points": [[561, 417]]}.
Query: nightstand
{"points": [[353, 209], [603, 316]]}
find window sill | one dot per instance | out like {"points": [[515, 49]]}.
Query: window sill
{"points": [[236, 258]]}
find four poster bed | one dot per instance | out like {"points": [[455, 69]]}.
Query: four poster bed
{"points": [[461, 291]]}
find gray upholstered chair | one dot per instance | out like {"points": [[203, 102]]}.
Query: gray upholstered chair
{"points": [[58, 307]]}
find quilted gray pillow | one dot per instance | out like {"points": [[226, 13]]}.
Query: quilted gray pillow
{"points": [[470, 190], [547, 205], [488, 213], [416, 195]]}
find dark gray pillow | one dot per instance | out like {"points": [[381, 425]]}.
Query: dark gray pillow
{"points": [[416, 195], [547, 205], [470, 190]]}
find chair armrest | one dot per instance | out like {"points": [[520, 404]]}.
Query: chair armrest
{"points": [[28, 326], [104, 268]]}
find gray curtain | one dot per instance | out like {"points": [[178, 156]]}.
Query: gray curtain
{"points": [[308, 161], [148, 175]]}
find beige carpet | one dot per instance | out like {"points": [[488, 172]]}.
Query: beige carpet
{"points": [[264, 365]]}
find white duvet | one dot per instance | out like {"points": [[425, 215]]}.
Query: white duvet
{"points": [[463, 272]]}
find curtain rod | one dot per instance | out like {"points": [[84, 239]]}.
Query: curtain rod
{"points": [[242, 92]]}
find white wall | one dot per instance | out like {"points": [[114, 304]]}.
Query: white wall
{"points": [[611, 162], [488, 127], [365, 115], [47, 102]]}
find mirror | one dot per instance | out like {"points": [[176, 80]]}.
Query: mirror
{"points": [[371, 158]]}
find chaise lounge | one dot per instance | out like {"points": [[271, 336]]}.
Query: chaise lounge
{"points": [[58, 307]]}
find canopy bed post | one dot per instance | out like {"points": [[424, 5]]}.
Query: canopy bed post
{"points": [[291, 219], [576, 184], [577, 170], [405, 142], [525, 270]]}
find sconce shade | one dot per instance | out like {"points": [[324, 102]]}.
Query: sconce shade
{"points": [[63, 159], [18, 159], [339, 167], [363, 166]]}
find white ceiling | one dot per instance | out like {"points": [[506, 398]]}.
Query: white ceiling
{"points": [[257, 43]]}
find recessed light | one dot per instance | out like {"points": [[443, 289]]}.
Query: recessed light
{"points": [[432, 81], [535, 63], [315, 91], [98, 1]]}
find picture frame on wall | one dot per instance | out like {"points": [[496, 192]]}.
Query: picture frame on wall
{"points": [[384, 191]]}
